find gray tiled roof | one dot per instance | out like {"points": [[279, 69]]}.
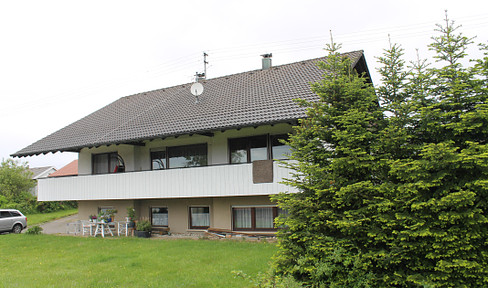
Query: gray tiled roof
{"points": [[239, 100], [37, 171]]}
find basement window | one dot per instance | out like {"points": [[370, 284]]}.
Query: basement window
{"points": [[199, 217], [159, 216], [257, 218]]}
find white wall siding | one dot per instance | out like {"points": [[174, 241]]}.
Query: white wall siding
{"points": [[211, 181]]}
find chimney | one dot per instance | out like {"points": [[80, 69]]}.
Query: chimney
{"points": [[267, 61]]}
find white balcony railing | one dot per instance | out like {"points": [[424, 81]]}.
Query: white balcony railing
{"points": [[210, 181]]}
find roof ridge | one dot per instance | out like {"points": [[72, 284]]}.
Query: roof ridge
{"points": [[239, 73]]}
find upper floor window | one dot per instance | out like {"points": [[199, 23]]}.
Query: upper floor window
{"points": [[187, 156], [158, 160], [279, 150], [107, 163], [180, 157], [263, 147], [248, 149]]}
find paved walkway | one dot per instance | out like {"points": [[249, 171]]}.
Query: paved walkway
{"points": [[58, 226]]}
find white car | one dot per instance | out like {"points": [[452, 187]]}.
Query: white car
{"points": [[12, 220]]}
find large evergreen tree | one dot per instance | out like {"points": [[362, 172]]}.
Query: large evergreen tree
{"points": [[443, 227], [326, 239], [392, 196]]}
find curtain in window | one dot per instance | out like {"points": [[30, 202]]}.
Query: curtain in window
{"points": [[160, 216], [100, 163], [242, 218], [200, 217], [264, 217]]}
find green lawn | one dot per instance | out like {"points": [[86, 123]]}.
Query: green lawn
{"points": [[63, 261], [36, 219]]}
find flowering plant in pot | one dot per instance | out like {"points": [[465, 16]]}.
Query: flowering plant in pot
{"points": [[102, 217], [131, 216], [111, 214], [143, 229]]}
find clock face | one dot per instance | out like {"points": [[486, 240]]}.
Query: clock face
{"points": [[196, 89]]}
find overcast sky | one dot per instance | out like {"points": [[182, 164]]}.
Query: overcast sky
{"points": [[61, 60]]}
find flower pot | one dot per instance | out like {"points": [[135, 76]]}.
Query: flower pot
{"points": [[143, 234]]}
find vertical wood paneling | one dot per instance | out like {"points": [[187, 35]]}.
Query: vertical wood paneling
{"points": [[228, 180]]}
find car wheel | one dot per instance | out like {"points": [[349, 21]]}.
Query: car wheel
{"points": [[17, 229]]}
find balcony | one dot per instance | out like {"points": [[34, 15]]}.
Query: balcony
{"points": [[209, 181]]}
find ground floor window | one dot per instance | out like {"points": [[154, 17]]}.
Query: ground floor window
{"points": [[199, 217], [159, 216], [255, 218]]}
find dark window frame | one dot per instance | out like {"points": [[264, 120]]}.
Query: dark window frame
{"points": [[190, 224], [109, 158], [167, 151], [151, 215], [272, 138], [253, 218], [248, 141], [269, 146], [165, 164]]}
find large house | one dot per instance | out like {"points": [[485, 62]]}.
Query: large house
{"points": [[189, 162]]}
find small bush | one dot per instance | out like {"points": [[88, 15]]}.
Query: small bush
{"points": [[144, 225], [269, 280], [34, 230]]}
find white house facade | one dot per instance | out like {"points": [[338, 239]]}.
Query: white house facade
{"points": [[189, 164]]}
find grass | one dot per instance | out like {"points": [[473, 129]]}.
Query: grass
{"points": [[36, 219], [61, 261]]}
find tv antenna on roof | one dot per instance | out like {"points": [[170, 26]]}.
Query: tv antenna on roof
{"points": [[196, 89], [202, 76]]}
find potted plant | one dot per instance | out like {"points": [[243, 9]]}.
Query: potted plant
{"points": [[102, 217], [143, 229], [92, 218], [111, 214], [131, 216]]}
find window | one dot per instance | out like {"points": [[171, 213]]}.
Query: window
{"points": [[14, 213], [5, 214], [187, 156], [103, 210], [158, 160], [107, 163], [248, 149], [279, 150], [199, 217], [255, 218], [159, 216]]}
